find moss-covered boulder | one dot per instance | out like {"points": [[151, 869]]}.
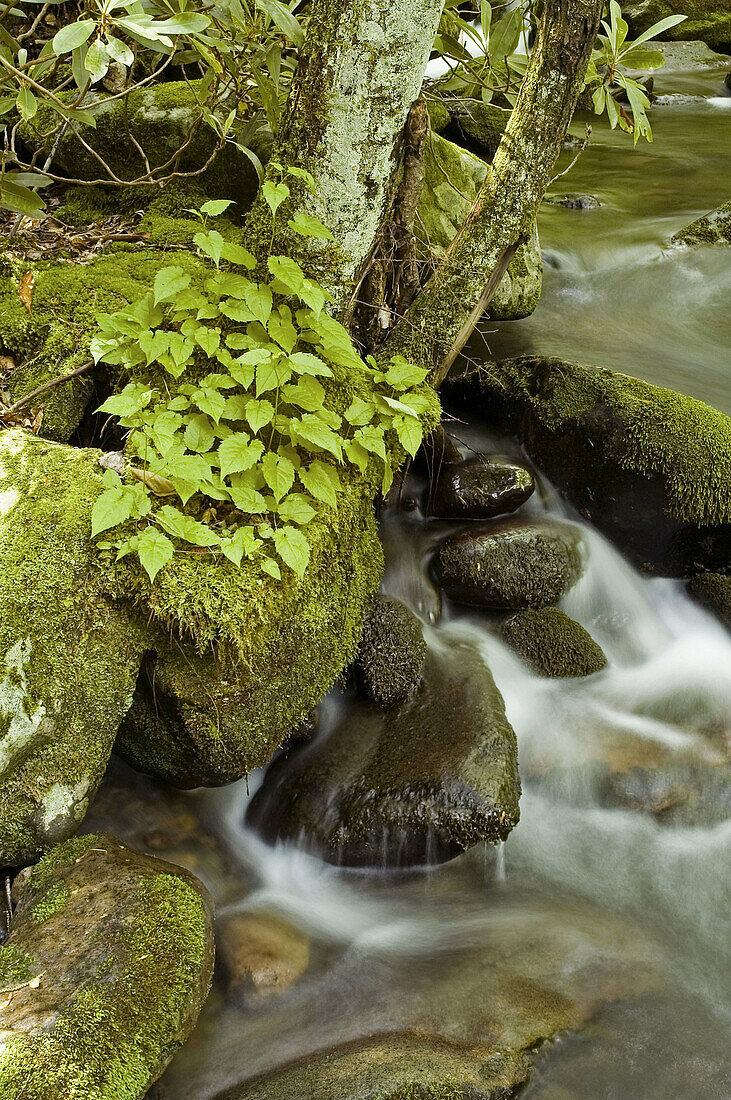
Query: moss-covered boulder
{"points": [[108, 962], [708, 21], [510, 565], [164, 120], [648, 466], [392, 652], [69, 654], [452, 179], [476, 126], [414, 784], [713, 591], [552, 643], [711, 229], [481, 488]]}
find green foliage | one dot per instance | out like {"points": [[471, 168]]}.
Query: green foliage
{"points": [[244, 49], [607, 75], [252, 448], [496, 66]]}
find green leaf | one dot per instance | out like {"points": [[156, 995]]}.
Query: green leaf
{"points": [[113, 507], [75, 34], [259, 299], [199, 435], [271, 375], [296, 508], [270, 566], [281, 329], [410, 433], [658, 28], [169, 282], [287, 272], [248, 500], [643, 60], [311, 429], [132, 399], [20, 199], [214, 207], [308, 394], [402, 375], [96, 61], [210, 401], [307, 226], [27, 104], [305, 363], [278, 473], [154, 550], [208, 339], [211, 244], [274, 194], [235, 254], [283, 19], [120, 52], [293, 548], [357, 454], [184, 527], [238, 452], [258, 414], [242, 543], [322, 481], [360, 412]]}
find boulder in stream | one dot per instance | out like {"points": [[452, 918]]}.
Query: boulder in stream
{"points": [[108, 962], [390, 660], [69, 654], [261, 955], [417, 783], [649, 467], [552, 643], [711, 229], [480, 488], [510, 565], [707, 21], [713, 591]]}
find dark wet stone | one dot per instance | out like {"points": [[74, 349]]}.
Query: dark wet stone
{"points": [[508, 566], [390, 660], [480, 488], [420, 782], [437, 450], [713, 591], [576, 202], [552, 643]]}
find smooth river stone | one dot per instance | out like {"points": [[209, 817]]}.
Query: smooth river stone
{"points": [[107, 965], [508, 566], [481, 488]]}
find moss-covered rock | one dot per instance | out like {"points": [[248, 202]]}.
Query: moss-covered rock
{"points": [[510, 565], [708, 21], [163, 120], [119, 956], [476, 126], [413, 784], [392, 652], [713, 228], [69, 654], [451, 182], [650, 467], [480, 488], [552, 643], [713, 591]]}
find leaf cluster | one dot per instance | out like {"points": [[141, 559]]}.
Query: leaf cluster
{"points": [[232, 411], [482, 52]]}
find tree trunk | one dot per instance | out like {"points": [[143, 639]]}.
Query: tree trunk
{"points": [[361, 68], [445, 312]]}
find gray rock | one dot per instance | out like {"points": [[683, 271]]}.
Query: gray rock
{"points": [[575, 202], [552, 643], [419, 783], [480, 488], [711, 229], [510, 565], [107, 965], [392, 652]]}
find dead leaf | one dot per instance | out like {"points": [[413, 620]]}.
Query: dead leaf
{"points": [[25, 290], [158, 485]]}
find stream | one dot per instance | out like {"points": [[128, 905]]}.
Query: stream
{"points": [[626, 912]]}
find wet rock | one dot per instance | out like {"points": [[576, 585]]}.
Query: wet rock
{"points": [[69, 655], [712, 229], [390, 660], [261, 955], [649, 467], [107, 965], [437, 450], [481, 488], [713, 591], [708, 22], [452, 180], [552, 643], [478, 127], [421, 782], [575, 202], [510, 565]]}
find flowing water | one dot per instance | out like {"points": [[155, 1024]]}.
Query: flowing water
{"points": [[632, 905]]}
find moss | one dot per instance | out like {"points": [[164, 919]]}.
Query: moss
{"points": [[707, 21], [712, 229], [52, 903], [391, 654], [137, 981], [16, 967], [68, 655], [713, 591], [477, 126], [553, 644]]}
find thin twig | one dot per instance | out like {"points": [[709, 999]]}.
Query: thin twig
{"points": [[43, 389]]}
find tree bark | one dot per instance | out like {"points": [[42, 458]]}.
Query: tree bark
{"points": [[361, 68], [443, 314]]}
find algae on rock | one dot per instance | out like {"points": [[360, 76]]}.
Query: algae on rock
{"points": [[119, 959], [552, 643]]}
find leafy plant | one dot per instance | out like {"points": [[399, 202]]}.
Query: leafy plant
{"points": [[251, 452], [493, 66], [243, 50], [606, 74]]}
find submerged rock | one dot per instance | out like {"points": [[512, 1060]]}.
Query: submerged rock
{"points": [[651, 468], [711, 229], [552, 643], [69, 655], [108, 962], [390, 660], [418, 783], [261, 955], [708, 21], [510, 565], [713, 591], [481, 488], [452, 180]]}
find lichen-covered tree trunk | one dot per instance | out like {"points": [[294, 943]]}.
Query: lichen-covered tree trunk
{"points": [[360, 70], [445, 311]]}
